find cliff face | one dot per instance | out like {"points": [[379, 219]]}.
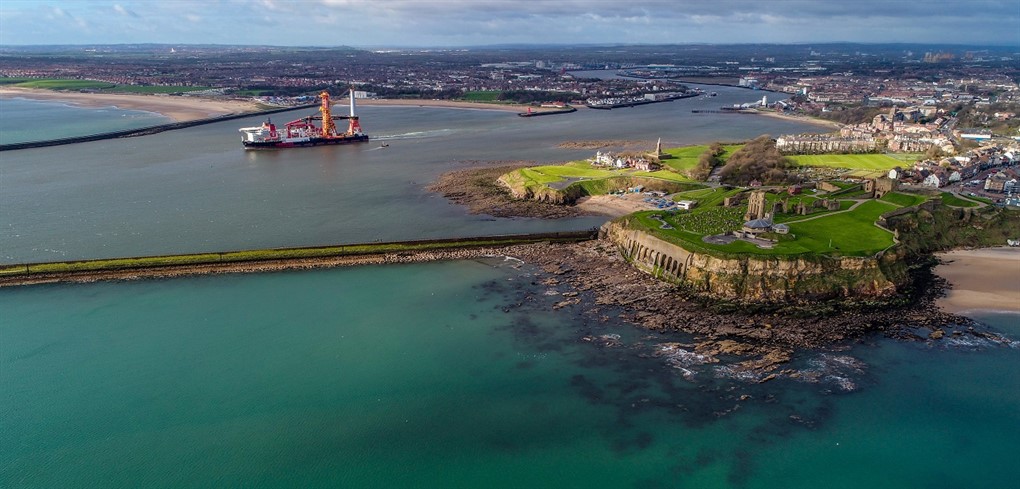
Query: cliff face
{"points": [[514, 183], [760, 278], [519, 188]]}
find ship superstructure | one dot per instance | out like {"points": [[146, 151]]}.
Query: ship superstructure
{"points": [[304, 131]]}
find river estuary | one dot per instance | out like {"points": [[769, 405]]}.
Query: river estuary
{"points": [[451, 374]]}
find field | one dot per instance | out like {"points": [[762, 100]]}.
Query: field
{"points": [[872, 162], [686, 157], [850, 233], [66, 84], [954, 201], [903, 200], [152, 89], [482, 96], [906, 157], [560, 176], [55, 84]]}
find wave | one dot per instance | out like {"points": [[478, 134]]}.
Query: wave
{"points": [[435, 133]]}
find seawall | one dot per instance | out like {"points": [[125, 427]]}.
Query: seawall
{"points": [[144, 131], [277, 258], [757, 278]]}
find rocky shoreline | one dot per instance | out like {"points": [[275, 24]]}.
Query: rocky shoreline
{"points": [[477, 189], [760, 337], [760, 340], [594, 277]]}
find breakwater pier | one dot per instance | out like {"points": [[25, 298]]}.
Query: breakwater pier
{"points": [[144, 131], [275, 259]]}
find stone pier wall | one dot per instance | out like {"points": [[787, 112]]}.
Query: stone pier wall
{"points": [[752, 278]]}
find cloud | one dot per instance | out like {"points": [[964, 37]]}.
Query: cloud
{"points": [[120, 9], [479, 22]]}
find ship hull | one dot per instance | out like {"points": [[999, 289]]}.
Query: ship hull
{"points": [[305, 142]]}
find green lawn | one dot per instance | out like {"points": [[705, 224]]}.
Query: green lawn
{"points": [[906, 157], [7, 80], [60, 84], [853, 162], [152, 89], [544, 175], [903, 200], [686, 157], [482, 96], [954, 201], [851, 233], [67, 84]]}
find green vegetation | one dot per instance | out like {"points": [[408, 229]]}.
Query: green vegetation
{"points": [[686, 158], [59, 84], [756, 160], [106, 87], [114, 264], [903, 200], [707, 197], [873, 162], [906, 157], [946, 227], [954, 201], [983, 200], [8, 80], [252, 93], [850, 233], [482, 96], [152, 89], [594, 180]]}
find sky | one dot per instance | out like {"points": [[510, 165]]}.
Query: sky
{"points": [[451, 23]]}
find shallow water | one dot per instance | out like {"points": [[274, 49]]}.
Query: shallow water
{"points": [[23, 120], [458, 374]]}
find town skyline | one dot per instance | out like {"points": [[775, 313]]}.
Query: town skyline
{"points": [[448, 23]]}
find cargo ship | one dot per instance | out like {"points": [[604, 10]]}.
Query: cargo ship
{"points": [[304, 132]]}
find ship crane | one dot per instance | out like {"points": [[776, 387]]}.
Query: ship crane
{"points": [[304, 131]]}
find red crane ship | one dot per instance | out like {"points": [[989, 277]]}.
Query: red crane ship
{"points": [[304, 132]]}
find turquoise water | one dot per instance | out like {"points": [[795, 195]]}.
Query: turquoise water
{"points": [[459, 374], [454, 374], [23, 120]]}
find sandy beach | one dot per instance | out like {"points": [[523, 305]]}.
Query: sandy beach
{"points": [[801, 118], [983, 279], [180, 109]]}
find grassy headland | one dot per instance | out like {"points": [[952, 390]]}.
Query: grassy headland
{"points": [[92, 85]]}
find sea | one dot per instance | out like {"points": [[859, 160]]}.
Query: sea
{"points": [[24, 120], [448, 374]]}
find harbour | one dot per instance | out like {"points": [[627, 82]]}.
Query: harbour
{"points": [[435, 374]]}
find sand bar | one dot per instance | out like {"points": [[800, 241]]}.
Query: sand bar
{"points": [[180, 109], [983, 279], [801, 118]]}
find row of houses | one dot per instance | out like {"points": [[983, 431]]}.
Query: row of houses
{"points": [[954, 169], [609, 160]]}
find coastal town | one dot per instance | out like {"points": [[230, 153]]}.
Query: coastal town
{"points": [[699, 240]]}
